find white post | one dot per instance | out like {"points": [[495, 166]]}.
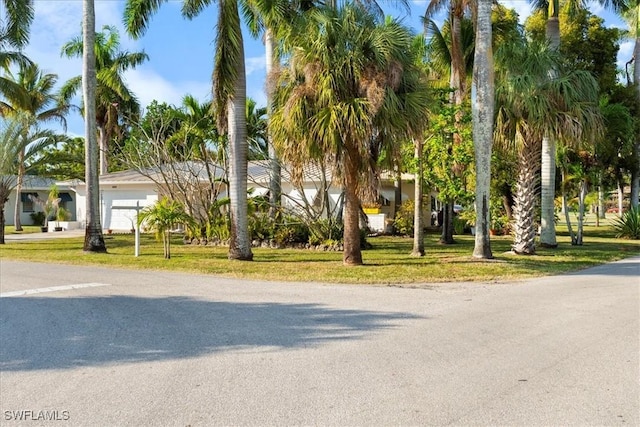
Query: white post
{"points": [[137, 230]]}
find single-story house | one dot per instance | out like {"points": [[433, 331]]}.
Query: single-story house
{"points": [[120, 190], [121, 193], [39, 187]]}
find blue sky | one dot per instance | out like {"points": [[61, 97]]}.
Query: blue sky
{"points": [[181, 51]]}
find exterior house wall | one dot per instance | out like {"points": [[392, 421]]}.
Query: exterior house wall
{"points": [[43, 194], [117, 195], [112, 200]]}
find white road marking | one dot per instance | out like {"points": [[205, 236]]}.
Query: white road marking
{"points": [[51, 289]]}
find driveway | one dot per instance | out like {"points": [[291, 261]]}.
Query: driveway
{"points": [[96, 347]]}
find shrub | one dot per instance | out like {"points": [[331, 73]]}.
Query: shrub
{"points": [[325, 229], [291, 231], [459, 225], [629, 225], [261, 226], [403, 222], [38, 217]]}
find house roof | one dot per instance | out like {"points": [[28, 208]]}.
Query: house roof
{"points": [[257, 171], [33, 182]]}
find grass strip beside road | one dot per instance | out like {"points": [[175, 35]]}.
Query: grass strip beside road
{"points": [[388, 262]]}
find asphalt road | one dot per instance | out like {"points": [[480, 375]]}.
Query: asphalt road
{"points": [[105, 347]]}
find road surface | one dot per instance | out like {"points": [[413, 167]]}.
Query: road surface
{"points": [[90, 346]]}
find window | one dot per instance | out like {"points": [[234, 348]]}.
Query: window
{"points": [[27, 203]]}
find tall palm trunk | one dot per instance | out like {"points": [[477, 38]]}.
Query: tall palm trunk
{"points": [[581, 197], [4, 195], [103, 147], [456, 81], [482, 111], [240, 243], [418, 227], [20, 183], [525, 200], [635, 180], [352, 254], [93, 239], [275, 174], [548, 169]]}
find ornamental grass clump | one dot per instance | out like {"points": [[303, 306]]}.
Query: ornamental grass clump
{"points": [[629, 225]]}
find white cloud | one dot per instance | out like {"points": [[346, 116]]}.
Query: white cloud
{"points": [[254, 64], [625, 53], [148, 85], [595, 7], [57, 22], [522, 8]]}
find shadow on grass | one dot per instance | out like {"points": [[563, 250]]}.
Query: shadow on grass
{"points": [[63, 333]]}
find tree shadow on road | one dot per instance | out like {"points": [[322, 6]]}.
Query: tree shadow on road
{"points": [[62, 333]]}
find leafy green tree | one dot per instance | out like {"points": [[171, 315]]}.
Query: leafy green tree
{"points": [[351, 76], [63, 162], [162, 217], [586, 43], [30, 91], [447, 160], [114, 100], [229, 100]]}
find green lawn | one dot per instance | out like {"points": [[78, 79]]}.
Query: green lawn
{"points": [[387, 263]]}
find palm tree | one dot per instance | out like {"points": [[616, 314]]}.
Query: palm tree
{"points": [[351, 78], [482, 112], [257, 134], [548, 169], [29, 92], [14, 30], [162, 217], [270, 17], [229, 99], [531, 104], [17, 136], [114, 100], [632, 16], [93, 238]]}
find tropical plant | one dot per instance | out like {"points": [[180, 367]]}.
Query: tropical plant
{"points": [[229, 101], [548, 166], [93, 238], [30, 92], [15, 21], [629, 225], [531, 106], [404, 221], [114, 100], [257, 137], [62, 162], [458, 72], [162, 217], [351, 77], [632, 16], [14, 141]]}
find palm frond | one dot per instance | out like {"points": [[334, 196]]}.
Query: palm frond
{"points": [[137, 15]]}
